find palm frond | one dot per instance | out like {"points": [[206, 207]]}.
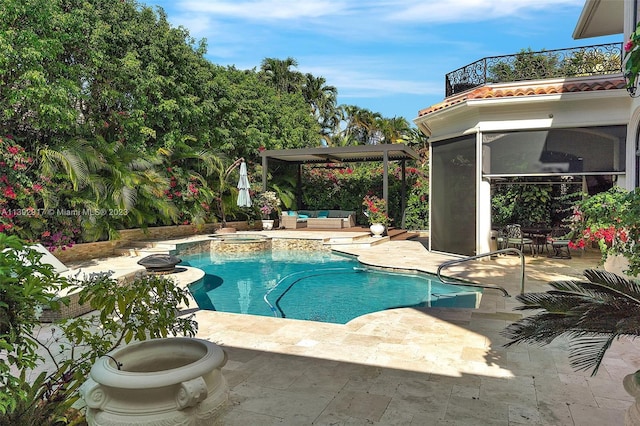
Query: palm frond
{"points": [[587, 352], [622, 286], [590, 313], [71, 162], [539, 329], [557, 302]]}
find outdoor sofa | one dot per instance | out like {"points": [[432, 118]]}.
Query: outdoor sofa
{"points": [[319, 219]]}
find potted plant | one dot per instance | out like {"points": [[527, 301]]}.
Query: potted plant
{"points": [[610, 220], [632, 60], [592, 313], [269, 205], [376, 213]]}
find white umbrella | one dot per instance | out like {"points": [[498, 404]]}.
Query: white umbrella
{"points": [[244, 199]]}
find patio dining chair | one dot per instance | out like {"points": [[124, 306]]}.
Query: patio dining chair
{"points": [[559, 243], [516, 239]]}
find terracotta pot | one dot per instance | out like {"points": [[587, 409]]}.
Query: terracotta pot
{"points": [[160, 381]]}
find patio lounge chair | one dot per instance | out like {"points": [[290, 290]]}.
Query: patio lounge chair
{"points": [[74, 308], [559, 243]]}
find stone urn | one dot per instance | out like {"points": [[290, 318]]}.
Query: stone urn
{"points": [[377, 229], [174, 380], [631, 384], [267, 224], [617, 264]]}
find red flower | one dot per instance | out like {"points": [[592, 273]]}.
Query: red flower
{"points": [[628, 46], [13, 150], [8, 192]]}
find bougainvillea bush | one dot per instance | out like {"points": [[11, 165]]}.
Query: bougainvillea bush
{"points": [[27, 201], [611, 220], [341, 187]]}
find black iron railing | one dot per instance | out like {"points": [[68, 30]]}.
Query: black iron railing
{"points": [[527, 65]]}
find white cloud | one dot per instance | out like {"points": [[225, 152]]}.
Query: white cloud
{"points": [[333, 11], [451, 11], [366, 78], [265, 9]]}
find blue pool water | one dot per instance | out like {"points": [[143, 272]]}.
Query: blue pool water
{"points": [[313, 286]]}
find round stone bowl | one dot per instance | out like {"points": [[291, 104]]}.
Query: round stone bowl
{"points": [[174, 380]]}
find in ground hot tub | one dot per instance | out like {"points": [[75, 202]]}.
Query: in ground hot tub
{"points": [[239, 243]]}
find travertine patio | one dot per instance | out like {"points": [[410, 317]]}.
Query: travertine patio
{"points": [[414, 366]]}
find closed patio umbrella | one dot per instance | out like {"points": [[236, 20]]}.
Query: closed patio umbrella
{"points": [[244, 199]]}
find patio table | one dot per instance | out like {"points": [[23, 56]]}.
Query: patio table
{"points": [[539, 235]]}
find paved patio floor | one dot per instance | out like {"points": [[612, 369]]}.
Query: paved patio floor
{"points": [[415, 366]]}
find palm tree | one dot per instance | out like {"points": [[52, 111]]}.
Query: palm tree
{"points": [[322, 99], [278, 73], [395, 130], [591, 313], [112, 177], [362, 125]]}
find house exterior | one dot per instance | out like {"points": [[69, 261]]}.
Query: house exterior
{"points": [[572, 124]]}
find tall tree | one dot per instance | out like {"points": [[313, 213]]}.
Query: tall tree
{"points": [[323, 101], [278, 73]]}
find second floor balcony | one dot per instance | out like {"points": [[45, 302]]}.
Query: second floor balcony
{"points": [[527, 65]]}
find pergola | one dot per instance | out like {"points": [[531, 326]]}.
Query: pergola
{"points": [[343, 154]]}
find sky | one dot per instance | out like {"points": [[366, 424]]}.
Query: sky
{"points": [[388, 56]]}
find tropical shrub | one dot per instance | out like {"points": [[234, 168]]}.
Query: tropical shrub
{"points": [[610, 219], [344, 187], [26, 288], [24, 207], [525, 204], [376, 210], [268, 203]]}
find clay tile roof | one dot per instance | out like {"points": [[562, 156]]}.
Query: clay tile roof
{"points": [[536, 88]]}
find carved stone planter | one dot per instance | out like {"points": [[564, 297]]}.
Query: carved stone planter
{"points": [[617, 264], [632, 386], [174, 381], [377, 229]]}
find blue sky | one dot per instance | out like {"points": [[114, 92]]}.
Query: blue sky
{"points": [[389, 56]]}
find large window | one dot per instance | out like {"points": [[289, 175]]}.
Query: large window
{"points": [[453, 196], [555, 152]]}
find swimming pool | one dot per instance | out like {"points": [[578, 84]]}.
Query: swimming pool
{"points": [[314, 286]]}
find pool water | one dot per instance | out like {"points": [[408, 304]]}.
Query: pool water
{"points": [[314, 286]]}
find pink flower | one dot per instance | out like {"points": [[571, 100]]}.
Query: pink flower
{"points": [[628, 46], [37, 187], [8, 192], [13, 150]]}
